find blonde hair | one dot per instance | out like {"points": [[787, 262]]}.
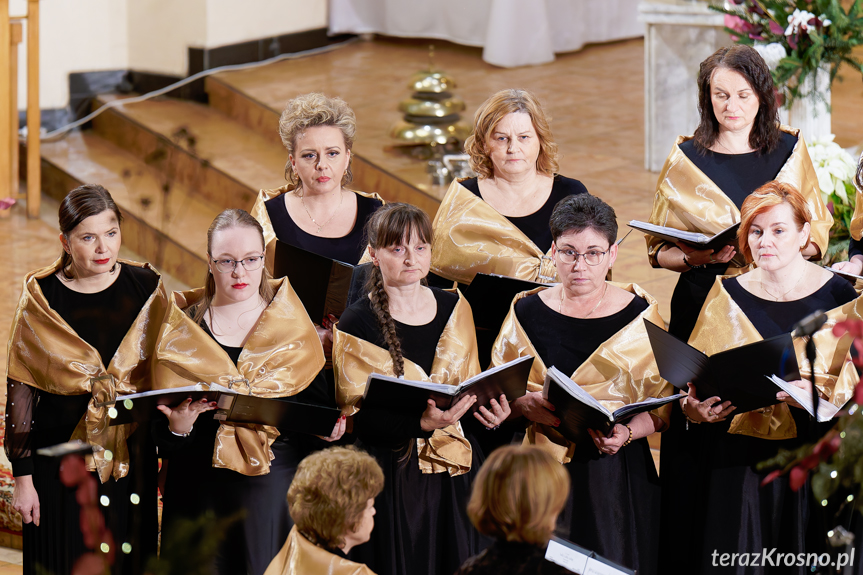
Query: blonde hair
{"points": [[330, 492], [489, 115], [518, 494], [764, 198], [312, 110]]}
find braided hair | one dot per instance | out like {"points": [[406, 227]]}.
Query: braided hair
{"points": [[390, 225]]}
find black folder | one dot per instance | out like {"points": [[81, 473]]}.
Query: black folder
{"points": [[697, 240], [740, 375], [490, 296], [324, 286], [579, 560], [578, 411], [282, 413], [396, 394]]}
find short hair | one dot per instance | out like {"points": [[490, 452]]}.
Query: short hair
{"points": [[858, 178], [582, 212], [767, 196], [747, 62], [330, 492], [78, 205], [518, 494], [489, 115], [310, 111]]}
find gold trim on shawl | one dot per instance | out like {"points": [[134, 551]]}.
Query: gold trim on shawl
{"points": [[299, 556], [857, 219], [456, 359], [687, 199], [46, 353], [471, 237], [621, 371], [259, 212], [281, 357], [722, 325]]}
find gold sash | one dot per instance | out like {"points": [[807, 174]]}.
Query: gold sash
{"points": [[621, 371], [259, 212], [455, 361], [723, 325], [281, 357], [857, 218], [299, 556], [687, 199], [46, 353], [471, 237]]}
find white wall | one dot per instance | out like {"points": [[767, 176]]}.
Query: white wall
{"points": [[161, 31], [230, 21]]}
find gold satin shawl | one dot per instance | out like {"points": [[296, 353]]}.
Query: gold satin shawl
{"points": [[687, 199], [621, 371], [456, 359], [259, 212], [46, 353], [722, 325], [471, 237], [857, 218], [281, 357], [299, 556]]}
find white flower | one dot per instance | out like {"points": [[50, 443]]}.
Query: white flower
{"points": [[799, 19], [833, 165], [772, 53]]}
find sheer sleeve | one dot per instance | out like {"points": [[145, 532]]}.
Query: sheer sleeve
{"points": [[20, 401]]}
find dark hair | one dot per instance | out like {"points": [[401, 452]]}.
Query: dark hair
{"points": [[229, 219], [78, 205], [858, 179], [582, 212], [389, 225], [747, 62]]}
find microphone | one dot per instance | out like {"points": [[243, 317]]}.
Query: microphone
{"points": [[809, 324]]}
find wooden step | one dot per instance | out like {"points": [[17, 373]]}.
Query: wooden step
{"points": [[196, 146], [164, 221]]}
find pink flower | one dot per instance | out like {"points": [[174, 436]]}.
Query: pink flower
{"points": [[776, 28], [770, 477], [89, 564], [72, 470], [797, 478]]}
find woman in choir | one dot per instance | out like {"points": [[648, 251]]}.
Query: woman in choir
{"points": [[854, 265], [497, 223], [84, 330], [404, 328], [242, 330], [315, 211], [332, 503], [594, 330], [738, 146], [517, 496], [782, 289]]}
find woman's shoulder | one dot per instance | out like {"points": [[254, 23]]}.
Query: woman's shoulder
{"points": [[841, 291], [567, 186], [358, 319], [143, 276]]}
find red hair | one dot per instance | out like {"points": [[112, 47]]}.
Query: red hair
{"points": [[764, 198]]}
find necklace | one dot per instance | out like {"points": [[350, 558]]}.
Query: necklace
{"points": [[560, 307], [781, 297], [314, 221], [729, 151]]}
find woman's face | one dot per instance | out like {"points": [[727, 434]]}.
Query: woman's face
{"points": [[237, 243], [363, 531], [735, 103], [774, 239], [405, 263], [579, 277], [320, 158], [94, 244], [513, 145]]}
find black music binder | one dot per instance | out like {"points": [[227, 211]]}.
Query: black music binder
{"points": [[697, 240]]}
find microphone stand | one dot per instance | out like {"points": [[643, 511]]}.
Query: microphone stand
{"points": [[810, 355]]}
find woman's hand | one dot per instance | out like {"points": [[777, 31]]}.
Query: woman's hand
{"points": [[25, 500], [610, 445], [338, 430], [853, 267], [325, 334], [535, 408], [433, 418], [711, 410], [702, 257], [500, 411], [802, 384], [182, 418]]}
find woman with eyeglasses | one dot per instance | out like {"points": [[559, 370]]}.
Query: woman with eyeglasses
{"points": [[593, 330], [242, 330]]}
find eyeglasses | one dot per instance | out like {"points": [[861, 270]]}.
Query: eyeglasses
{"points": [[250, 264], [591, 258]]}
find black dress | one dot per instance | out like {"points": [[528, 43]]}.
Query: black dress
{"points": [[737, 175], [348, 248], [718, 502], [102, 320], [421, 525], [194, 488], [509, 558], [613, 507]]}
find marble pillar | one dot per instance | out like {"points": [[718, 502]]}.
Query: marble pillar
{"points": [[679, 35]]}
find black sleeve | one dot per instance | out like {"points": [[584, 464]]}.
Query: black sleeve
{"points": [[167, 442], [855, 248], [20, 401], [384, 427], [317, 393]]}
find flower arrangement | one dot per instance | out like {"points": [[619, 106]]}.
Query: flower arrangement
{"points": [[835, 169], [797, 37]]}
